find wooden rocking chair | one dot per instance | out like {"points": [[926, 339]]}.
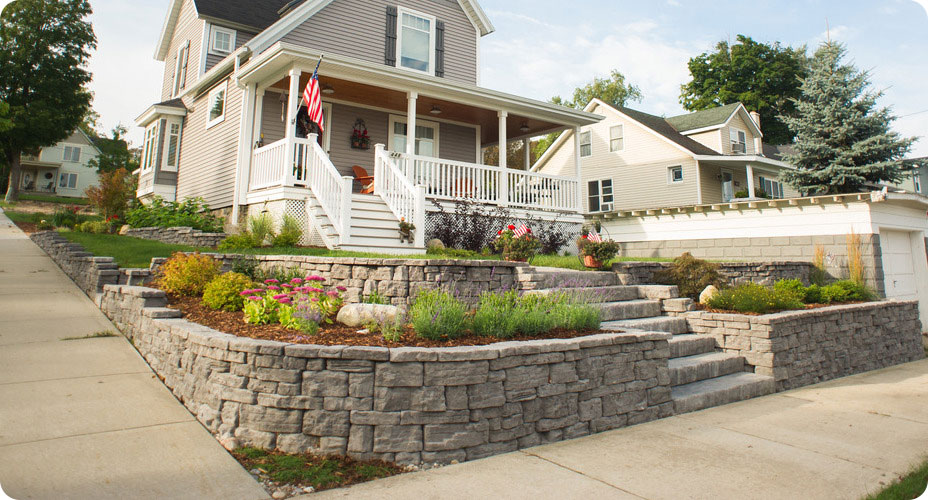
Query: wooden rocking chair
{"points": [[366, 180]]}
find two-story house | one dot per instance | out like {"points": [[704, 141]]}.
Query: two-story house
{"points": [[633, 160], [62, 169], [917, 180], [232, 126]]}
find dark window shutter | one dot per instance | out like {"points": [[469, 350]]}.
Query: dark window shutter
{"points": [[440, 49], [390, 48]]}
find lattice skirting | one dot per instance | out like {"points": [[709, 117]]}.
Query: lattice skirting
{"points": [[570, 229], [294, 208]]}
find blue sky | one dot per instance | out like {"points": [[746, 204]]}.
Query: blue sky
{"points": [[541, 49]]}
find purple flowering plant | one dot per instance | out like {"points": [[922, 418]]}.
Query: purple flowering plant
{"points": [[296, 305]]}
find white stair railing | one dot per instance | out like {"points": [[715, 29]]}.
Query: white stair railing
{"points": [[332, 190], [406, 201]]}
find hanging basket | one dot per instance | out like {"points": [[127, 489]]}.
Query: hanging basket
{"points": [[360, 139]]}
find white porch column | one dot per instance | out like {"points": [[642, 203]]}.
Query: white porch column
{"points": [[698, 183], [749, 170], [259, 115], [245, 148], [293, 102], [577, 172], [503, 174], [411, 99], [526, 144]]}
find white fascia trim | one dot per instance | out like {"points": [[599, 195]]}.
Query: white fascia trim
{"points": [[289, 55], [745, 159], [204, 48], [286, 24], [167, 30], [477, 17], [156, 111], [703, 129]]}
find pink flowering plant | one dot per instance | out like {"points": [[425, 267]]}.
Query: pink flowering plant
{"points": [[300, 304]]}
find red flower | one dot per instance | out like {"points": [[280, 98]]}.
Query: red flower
{"points": [[584, 236], [511, 227], [528, 230], [499, 232]]}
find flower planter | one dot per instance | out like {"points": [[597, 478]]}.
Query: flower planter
{"points": [[591, 262]]}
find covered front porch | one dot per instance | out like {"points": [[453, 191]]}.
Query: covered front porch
{"points": [[723, 179], [452, 124], [39, 176]]}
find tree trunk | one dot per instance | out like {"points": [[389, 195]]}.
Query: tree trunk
{"points": [[12, 189]]}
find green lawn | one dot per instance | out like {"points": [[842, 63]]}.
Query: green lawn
{"points": [[907, 488], [129, 252], [48, 198], [35, 217]]}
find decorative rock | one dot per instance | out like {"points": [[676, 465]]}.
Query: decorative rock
{"points": [[365, 314], [708, 293], [124, 229], [435, 244]]}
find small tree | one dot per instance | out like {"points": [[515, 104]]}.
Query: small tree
{"points": [[116, 189], [44, 49], [114, 152], [842, 140]]}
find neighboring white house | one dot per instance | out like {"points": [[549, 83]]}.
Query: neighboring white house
{"points": [[61, 169]]}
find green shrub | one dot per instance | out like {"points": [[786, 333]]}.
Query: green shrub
{"points": [[452, 252], [840, 291], [375, 298], [193, 212], [290, 232], [813, 295], [436, 315], [791, 286], [187, 275], [241, 241], [751, 297], [224, 292], [281, 274], [261, 228], [246, 265], [496, 314], [84, 227], [577, 313], [534, 314], [691, 275], [68, 217]]}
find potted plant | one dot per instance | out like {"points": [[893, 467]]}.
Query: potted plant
{"points": [[359, 136], [406, 229], [516, 245], [596, 251]]}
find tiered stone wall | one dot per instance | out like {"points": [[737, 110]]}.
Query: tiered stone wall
{"points": [[406, 405], [178, 236], [765, 273], [89, 273], [799, 348]]}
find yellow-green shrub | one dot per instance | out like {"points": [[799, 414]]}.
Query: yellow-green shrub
{"points": [[224, 292], [188, 275]]}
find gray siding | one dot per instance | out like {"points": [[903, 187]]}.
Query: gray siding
{"points": [[357, 28], [341, 153], [457, 142], [189, 28], [273, 126], [241, 38]]}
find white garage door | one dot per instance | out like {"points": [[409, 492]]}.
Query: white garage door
{"points": [[898, 265]]}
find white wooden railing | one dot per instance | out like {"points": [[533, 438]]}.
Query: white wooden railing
{"points": [[294, 162], [450, 180], [405, 200]]}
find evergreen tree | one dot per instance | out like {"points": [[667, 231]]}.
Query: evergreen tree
{"points": [[44, 48], [843, 141]]}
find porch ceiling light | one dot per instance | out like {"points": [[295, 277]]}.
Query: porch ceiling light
{"points": [[327, 89], [524, 127], [435, 110]]}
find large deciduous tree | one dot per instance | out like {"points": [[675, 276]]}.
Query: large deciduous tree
{"points": [[764, 77], [614, 91], [44, 49], [843, 141]]}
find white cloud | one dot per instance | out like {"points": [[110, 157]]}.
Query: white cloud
{"points": [[924, 4]]}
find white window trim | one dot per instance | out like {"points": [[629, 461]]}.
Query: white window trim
{"points": [[327, 132], [736, 140], [917, 182], [399, 39], [223, 87], [65, 157], [182, 51], [149, 154], [590, 133], [600, 195], [212, 40], [622, 126], [761, 183], [419, 123], [69, 174], [670, 179], [167, 142]]}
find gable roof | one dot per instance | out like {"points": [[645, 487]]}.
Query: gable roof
{"points": [[666, 130], [776, 151], [703, 119]]}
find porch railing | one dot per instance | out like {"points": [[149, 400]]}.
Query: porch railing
{"points": [[405, 200], [450, 180]]}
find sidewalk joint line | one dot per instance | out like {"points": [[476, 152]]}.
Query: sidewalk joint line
{"points": [[552, 462], [77, 377], [100, 432]]}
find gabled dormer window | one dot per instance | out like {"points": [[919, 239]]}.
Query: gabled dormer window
{"points": [[738, 141], [415, 41]]}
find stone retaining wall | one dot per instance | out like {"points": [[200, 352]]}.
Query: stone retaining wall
{"points": [[405, 405], [799, 348], [765, 273], [88, 272], [178, 236]]}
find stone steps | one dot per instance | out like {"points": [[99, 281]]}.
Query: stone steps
{"points": [[630, 309], [654, 324], [603, 294], [719, 391], [689, 369], [689, 344], [543, 278]]}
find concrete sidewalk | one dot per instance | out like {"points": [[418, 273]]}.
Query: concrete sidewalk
{"points": [[841, 439], [88, 418]]}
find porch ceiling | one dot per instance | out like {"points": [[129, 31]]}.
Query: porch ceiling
{"points": [[395, 101]]}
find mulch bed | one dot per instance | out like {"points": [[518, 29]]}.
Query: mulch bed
{"points": [[334, 334], [27, 227]]}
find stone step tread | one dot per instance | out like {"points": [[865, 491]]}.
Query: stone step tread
{"points": [[689, 369], [698, 359], [720, 390], [598, 294], [630, 309], [656, 323], [688, 344]]}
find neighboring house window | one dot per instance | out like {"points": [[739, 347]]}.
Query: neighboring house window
{"points": [[148, 145], [72, 153], [415, 41], [180, 68], [918, 182], [738, 140], [216, 105], [426, 137], [67, 181], [599, 195], [586, 144], [221, 41], [616, 138], [674, 174], [173, 147], [772, 187]]}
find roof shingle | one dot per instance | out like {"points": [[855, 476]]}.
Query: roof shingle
{"points": [[259, 14], [704, 118], [664, 128]]}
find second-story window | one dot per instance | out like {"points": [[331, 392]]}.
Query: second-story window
{"points": [[917, 180], [738, 140], [616, 138], [217, 105], [222, 41], [180, 68], [72, 153], [586, 144], [415, 41]]}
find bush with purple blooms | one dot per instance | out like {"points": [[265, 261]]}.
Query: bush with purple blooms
{"points": [[299, 304]]}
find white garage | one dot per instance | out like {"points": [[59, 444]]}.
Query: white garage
{"points": [[899, 264]]}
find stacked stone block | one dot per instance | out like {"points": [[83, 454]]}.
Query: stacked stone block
{"points": [[88, 272], [799, 348], [178, 236], [764, 273], [406, 405]]}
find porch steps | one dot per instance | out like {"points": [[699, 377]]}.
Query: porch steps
{"points": [[374, 228]]}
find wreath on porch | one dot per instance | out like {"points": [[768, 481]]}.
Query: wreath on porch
{"points": [[359, 137]]}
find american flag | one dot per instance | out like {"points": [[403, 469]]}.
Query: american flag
{"points": [[313, 98], [521, 231], [594, 237]]}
